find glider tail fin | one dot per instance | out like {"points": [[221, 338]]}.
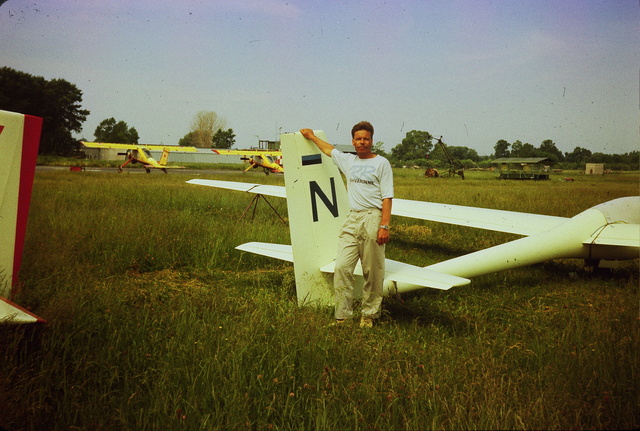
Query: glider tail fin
{"points": [[317, 205]]}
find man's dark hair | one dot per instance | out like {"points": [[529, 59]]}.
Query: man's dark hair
{"points": [[363, 125]]}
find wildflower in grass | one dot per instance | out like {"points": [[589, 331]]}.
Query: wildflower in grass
{"points": [[291, 394]]}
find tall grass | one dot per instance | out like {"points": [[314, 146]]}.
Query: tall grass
{"points": [[157, 322]]}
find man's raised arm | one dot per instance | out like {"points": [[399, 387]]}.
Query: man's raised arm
{"points": [[323, 146]]}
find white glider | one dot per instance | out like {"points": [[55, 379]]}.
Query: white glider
{"points": [[317, 205]]}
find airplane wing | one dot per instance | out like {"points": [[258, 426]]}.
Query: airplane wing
{"points": [[108, 145], [394, 270], [249, 152], [277, 191], [276, 251], [135, 146], [159, 166], [171, 148], [481, 218]]}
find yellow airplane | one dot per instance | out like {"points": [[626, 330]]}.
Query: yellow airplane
{"points": [[265, 159], [141, 154]]}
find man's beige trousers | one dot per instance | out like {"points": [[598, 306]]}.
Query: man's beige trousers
{"points": [[358, 240]]}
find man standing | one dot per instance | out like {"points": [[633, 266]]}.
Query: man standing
{"points": [[366, 230]]}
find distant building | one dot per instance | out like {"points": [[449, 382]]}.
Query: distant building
{"points": [[268, 145], [103, 153], [201, 155], [594, 169], [519, 168]]}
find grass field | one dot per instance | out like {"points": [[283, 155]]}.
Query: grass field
{"points": [[156, 322]]}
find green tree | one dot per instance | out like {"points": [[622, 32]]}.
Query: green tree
{"points": [[632, 159], [578, 155], [115, 132], [463, 153], [528, 150], [378, 148], [548, 149], [516, 147], [57, 102], [224, 139], [186, 140], [416, 145], [501, 149]]}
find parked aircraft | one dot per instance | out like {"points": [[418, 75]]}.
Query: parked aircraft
{"points": [[265, 159], [609, 231], [19, 141], [141, 154]]}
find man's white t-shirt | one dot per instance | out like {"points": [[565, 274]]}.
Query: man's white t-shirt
{"points": [[369, 181]]}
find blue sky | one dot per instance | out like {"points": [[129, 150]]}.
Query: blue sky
{"points": [[474, 72]]}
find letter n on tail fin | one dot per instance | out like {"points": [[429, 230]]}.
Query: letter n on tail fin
{"points": [[317, 205]]}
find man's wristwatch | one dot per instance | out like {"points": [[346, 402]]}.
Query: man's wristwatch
{"points": [[384, 226]]}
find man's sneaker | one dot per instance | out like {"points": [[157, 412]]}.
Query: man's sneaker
{"points": [[366, 322], [338, 322]]}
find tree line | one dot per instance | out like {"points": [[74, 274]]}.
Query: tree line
{"points": [[420, 148], [58, 102], [207, 131]]}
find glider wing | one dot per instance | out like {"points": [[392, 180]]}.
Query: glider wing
{"points": [[481, 218], [261, 189], [276, 251], [414, 275], [394, 270]]}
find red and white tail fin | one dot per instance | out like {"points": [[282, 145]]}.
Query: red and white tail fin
{"points": [[19, 141], [13, 313]]}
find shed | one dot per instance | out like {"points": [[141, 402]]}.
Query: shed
{"points": [[594, 169], [523, 168]]}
